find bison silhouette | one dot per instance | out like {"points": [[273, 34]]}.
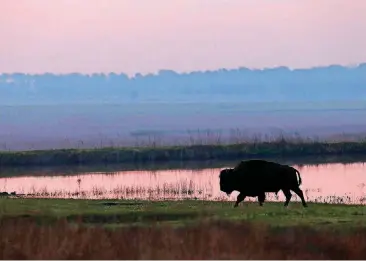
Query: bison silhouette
{"points": [[253, 178]]}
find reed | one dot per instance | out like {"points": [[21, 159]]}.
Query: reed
{"points": [[181, 190]]}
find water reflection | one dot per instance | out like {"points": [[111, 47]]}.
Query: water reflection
{"points": [[332, 183]]}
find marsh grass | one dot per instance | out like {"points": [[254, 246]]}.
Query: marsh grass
{"points": [[220, 239], [291, 147], [180, 190], [177, 190]]}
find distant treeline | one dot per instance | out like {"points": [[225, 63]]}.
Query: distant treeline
{"points": [[156, 155], [274, 84]]}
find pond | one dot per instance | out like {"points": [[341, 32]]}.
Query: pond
{"points": [[331, 183]]}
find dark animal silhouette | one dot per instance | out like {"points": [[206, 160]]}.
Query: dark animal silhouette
{"points": [[254, 178], [8, 194]]}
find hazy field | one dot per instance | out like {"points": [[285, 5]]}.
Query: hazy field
{"points": [[98, 125]]}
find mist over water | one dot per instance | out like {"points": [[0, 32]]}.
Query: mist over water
{"points": [[49, 111]]}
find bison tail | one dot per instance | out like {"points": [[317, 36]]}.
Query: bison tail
{"points": [[300, 181]]}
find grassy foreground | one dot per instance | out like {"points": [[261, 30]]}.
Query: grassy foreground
{"points": [[82, 229], [143, 155], [125, 212]]}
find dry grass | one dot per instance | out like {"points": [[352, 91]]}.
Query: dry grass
{"points": [[206, 240]]}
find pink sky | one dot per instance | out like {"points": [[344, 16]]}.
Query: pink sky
{"points": [[147, 35]]}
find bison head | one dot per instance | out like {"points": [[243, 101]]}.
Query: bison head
{"points": [[226, 181]]}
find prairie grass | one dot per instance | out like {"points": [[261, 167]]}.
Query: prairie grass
{"points": [[220, 239], [288, 147]]}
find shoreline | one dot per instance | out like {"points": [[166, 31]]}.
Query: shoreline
{"points": [[342, 151], [125, 209], [74, 170]]}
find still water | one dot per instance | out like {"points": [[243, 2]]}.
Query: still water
{"points": [[332, 183]]}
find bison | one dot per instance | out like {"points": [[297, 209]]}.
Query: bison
{"points": [[253, 178]]}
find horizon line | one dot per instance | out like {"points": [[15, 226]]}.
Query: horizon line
{"points": [[156, 73]]}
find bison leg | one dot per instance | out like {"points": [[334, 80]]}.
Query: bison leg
{"points": [[239, 199], [288, 196], [299, 192], [261, 198]]}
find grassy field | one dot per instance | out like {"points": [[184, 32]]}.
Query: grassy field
{"points": [[121, 212], [290, 148], [99, 229]]}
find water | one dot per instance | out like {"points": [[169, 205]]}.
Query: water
{"points": [[331, 183]]}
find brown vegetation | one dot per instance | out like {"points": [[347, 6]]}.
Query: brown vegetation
{"points": [[20, 239]]}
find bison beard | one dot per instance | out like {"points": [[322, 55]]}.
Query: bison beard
{"points": [[254, 178]]}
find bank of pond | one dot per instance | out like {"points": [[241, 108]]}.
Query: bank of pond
{"points": [[163, 155]]}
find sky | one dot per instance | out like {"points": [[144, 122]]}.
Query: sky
{"points": [[144, 36]]}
